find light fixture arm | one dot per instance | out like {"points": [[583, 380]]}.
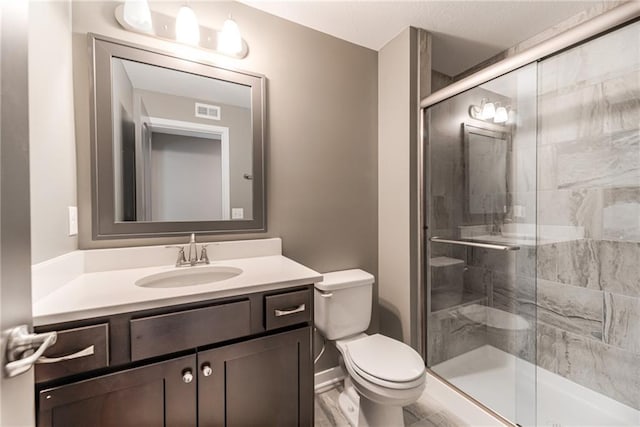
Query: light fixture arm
{"points": [[164, 27]]}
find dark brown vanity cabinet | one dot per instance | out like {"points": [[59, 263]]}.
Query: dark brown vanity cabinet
{"points": [[251, 373], [263, 382], [156, 395]]}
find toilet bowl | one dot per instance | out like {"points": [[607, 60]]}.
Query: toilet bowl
{"points": [[383, 374]]}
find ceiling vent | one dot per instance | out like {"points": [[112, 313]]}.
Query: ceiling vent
{"points": [[205, 111]]}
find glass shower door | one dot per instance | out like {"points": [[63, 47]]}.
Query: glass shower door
{"points": [[481, 254]]}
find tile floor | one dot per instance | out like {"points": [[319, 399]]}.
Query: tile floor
{"points": [[424, 413]]}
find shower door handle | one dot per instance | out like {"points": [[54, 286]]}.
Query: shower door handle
{"points": [[476, 244]]}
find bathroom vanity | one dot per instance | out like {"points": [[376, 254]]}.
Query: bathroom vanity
{"points": [[233, 352]]}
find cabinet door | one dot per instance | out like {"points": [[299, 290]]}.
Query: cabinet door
{"points": [[266, 381], [159, 395]]}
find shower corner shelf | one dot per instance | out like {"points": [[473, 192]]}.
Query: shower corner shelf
{"points": [[446, 300]]}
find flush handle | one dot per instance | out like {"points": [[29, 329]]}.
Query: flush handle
{"points": [[287, 312]]}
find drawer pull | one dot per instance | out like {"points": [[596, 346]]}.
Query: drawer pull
{"points": [[297, 309], [89, 351]]}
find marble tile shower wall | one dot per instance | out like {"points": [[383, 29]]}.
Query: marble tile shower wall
{"points": [[588, 290]]}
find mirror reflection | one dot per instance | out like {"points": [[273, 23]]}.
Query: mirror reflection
{"points": [[487, 167], [182, 145]]}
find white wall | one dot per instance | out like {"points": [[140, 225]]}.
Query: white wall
{"points": [[51, 128]]}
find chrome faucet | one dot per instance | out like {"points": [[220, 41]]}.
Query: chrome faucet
{"points": [[193, 253]]}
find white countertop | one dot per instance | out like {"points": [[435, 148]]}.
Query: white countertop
{"points": [[103, 293]]}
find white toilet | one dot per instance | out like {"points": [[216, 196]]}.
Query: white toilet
{"points": [[383, 374]]}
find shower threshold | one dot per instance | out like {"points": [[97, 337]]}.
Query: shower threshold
{"points": [[496, 379]]}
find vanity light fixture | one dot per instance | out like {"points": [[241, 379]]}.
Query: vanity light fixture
{"points": [[229, 39], [488, 110], [135, 16], [187, 28], [501, 115], [492, 112]]}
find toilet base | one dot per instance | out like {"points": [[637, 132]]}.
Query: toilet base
{"points": [[349, 403], [362, 412]]}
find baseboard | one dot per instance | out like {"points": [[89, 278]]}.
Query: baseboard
{"points": [[328, 379]]}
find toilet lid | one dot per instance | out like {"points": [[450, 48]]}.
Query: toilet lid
{"points": [[385, 358]]}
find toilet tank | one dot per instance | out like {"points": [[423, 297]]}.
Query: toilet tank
{"points": [[342, 303]]}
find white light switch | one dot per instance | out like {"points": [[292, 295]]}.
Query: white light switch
{"points": [[73, 221], [237, 213]]}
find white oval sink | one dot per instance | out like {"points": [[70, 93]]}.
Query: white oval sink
{"points": [[189, 276]]}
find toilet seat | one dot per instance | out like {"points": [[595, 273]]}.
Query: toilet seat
{"points": [[385, 362]]}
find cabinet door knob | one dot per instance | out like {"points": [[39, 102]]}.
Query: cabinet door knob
{"points": [[187, 376], [206, 370]]}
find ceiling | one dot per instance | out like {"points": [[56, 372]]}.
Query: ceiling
{"points": [[464, 32], [172, 82]]}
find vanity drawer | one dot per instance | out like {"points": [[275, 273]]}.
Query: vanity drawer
{"points": [[75, 351], [288, 308], [172, 332]]}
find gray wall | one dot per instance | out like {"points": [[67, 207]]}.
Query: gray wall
{"points": [[237, 119], [321, 163], [52, 135], [122, 105], [321, 133]]}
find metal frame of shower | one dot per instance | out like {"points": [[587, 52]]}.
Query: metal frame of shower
{"points": [[606, 22]]}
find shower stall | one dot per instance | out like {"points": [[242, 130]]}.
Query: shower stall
{"points": [[532, 244]]}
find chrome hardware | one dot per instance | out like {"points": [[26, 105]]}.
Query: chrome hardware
{"points": [[193, 250], [206, 370], [476, 244], [187, 376], [182, 259], [298, 309], [203, 255], [193, 253], [89, 351], [326, 294], [19, 343], [247, 176]]}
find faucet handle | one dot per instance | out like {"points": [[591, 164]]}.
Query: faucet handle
{"points": [[181, 256], [203, 255]]}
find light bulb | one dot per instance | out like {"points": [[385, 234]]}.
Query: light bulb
{"points": [[187, 28], [501, 115], [137, 14], [229, 39], [488, 111]]}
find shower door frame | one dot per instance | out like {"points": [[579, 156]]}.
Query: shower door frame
{"points": [[609, 21]]}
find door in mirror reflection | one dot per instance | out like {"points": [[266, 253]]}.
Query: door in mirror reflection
{"points": [[182, 145]]}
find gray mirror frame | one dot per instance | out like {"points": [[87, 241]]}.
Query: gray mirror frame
{"points": [[104, 226]]}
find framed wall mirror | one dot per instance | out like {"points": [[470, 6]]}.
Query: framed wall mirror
{"points": [[177, 146], [487, 165]]}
